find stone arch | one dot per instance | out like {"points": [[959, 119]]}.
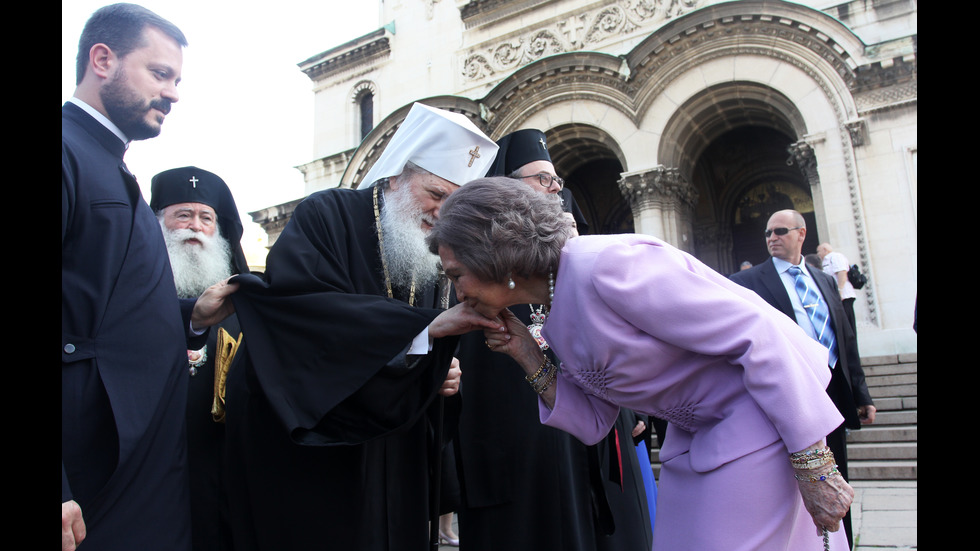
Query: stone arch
{"points": [[591, 81], [760, 64], [723, 141], [583, 151], [721, 108], [591, 162]]}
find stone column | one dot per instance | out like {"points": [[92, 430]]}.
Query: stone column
{"points": [[663, 205]]}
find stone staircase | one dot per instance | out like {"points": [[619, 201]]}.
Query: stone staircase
{"points": [[887, 449]]}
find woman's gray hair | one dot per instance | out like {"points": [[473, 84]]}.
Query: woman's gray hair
{"points": [[499, 227]]}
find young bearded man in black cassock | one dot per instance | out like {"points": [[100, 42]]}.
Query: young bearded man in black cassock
{"points": [[124, 333], [345, 347]]}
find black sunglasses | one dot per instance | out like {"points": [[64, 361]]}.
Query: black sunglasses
{"points": [[781, 231]]}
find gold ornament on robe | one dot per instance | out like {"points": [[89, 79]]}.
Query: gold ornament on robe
{"points": [[225, 351]]}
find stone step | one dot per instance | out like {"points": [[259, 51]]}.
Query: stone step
{"points": [[882, 451], [876, 381], [893, 391], [889, 369], [883, 470], [895, 417], [880, 434], [890, 360], [895, 403]]}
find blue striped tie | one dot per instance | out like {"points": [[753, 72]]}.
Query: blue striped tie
{"points": [[816, 309]]}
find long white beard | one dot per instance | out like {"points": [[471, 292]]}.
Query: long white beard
{"points": [[405, 251], [196, 267]]}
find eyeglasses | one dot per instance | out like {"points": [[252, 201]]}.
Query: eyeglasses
{"points": [[781, 231], [546, 179]]}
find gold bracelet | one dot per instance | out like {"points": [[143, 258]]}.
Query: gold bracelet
{"points": [[541, 370], [543, 377], [550, 378], [833, 473], [811, 458]]}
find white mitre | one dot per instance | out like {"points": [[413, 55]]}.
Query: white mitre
{"points": [[446, 144]]}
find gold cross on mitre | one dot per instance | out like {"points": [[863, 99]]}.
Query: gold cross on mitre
{"points": [[194, 181], [474, 155]]}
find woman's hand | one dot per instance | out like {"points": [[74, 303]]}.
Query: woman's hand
{"points": [[515, 340], [827, 501]]}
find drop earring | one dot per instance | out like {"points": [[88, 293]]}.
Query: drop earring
{"points": [[511, 285]]}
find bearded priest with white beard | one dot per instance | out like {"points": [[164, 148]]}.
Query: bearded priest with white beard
{"points": [[346, 346], [202, 229]]}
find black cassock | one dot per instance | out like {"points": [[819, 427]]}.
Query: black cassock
{"points": [[326, 414], [124, 359]]}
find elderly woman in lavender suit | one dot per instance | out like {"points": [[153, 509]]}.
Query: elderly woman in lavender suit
{"points": [[642, 325]]}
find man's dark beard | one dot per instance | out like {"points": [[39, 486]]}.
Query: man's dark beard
{"points": [[127, 110]]}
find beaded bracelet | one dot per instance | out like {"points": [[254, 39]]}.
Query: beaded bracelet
{"points": [[811, 458], [542, 374], [543, 377], [549, 379], [541, 370], [833, 473]]}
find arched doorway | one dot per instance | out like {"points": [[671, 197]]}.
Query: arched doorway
{"points": [[732, 142], [750, 167], [590, 162]]}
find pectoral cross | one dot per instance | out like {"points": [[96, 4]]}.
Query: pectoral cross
{"points": [[474, 155], [194, 181]]}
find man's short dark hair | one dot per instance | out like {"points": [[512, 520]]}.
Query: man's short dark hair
{"points": [[120, 27]]}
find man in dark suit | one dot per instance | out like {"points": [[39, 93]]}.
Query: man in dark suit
{"points": [[772, 280]]}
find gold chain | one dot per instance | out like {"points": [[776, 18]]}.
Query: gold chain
{"points": [[381, 242]]}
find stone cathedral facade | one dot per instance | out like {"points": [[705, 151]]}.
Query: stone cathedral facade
{"points": [[690, 120]]}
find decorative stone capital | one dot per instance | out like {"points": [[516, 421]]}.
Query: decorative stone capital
{"points": [[857, 130], [801, 154], [660, 187]]}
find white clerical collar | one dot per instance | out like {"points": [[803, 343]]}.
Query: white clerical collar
{"points": [[101, 118]]}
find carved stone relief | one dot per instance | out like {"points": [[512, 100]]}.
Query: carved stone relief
{"points": [[581, 31]]}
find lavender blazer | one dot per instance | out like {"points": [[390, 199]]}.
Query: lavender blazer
{"points": [[642, 325]]}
